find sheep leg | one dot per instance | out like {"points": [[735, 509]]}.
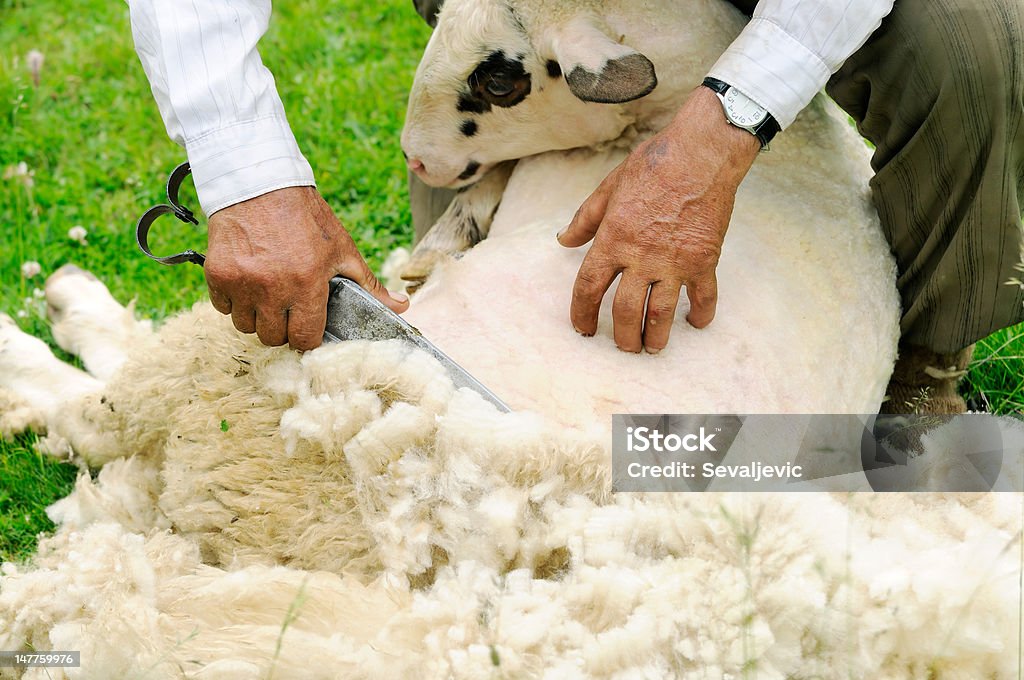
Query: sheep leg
{"points": [[89, 323], [465, 223], [38, 390], [30, 371]]}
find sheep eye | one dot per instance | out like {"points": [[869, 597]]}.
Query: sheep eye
{"points": [[496, 81], [499, 88]]}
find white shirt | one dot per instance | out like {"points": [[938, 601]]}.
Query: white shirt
{"points": [[218, 100], [790, 48], [216, 97]]}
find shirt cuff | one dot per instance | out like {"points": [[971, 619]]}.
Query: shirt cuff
{"points": [[245, 160], [773, 68]]}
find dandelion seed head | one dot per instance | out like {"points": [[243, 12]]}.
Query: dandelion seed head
{"points": [[31, 269], [34, 60], [78, 233], [20, 171]]}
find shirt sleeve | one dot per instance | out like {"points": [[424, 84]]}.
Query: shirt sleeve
{"points": [[216, 97], [790, 48]]}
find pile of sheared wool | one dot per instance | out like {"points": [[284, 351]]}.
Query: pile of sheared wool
{"points": [[348, 514]]}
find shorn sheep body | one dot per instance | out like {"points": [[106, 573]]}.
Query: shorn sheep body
{"points": [[347, 513]]}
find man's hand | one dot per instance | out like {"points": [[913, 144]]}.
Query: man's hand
{"points": [[659, 220], [269, 262]]}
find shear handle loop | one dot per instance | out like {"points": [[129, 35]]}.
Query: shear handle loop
{"points": [[179, 211]]}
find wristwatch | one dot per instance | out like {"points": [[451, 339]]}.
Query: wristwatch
{"points": [[744, 112]]}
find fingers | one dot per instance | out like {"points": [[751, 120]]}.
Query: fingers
{"points": [[269, 324], [220, 301], [661, 312], [307, 320], [244, 318], [272, 327], [356, 269], [588, 218], [592, 282], [703, 295], [302, 327], [628, 312]]}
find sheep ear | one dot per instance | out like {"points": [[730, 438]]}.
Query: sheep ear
{"points": [[428, 9], [599, 69]]}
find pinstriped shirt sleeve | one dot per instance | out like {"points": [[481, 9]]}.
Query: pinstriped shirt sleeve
{"points": [[790, 48], [216, 97]]}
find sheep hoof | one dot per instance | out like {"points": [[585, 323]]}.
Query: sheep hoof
{"points": [[59, 292]]}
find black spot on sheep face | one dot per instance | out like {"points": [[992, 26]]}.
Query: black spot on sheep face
{"points": [[470, 172]]}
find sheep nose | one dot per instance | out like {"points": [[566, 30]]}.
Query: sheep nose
{"points": [[416, 165]]}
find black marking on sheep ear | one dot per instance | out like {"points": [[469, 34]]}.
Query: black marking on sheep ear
{"points": [[554, 70], [496, 81], [428, 9], [621, 80], [468, 128], [470, 170]]}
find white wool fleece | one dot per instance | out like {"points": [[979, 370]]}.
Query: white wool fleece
{"points": [[477, 544]]}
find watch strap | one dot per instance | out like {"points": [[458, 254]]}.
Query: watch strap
{"points": [[765, 131], [719, 86]]}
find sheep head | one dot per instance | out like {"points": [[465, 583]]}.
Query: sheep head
{"points": [[501, 80]]}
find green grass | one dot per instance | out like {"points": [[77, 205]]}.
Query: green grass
{"points": [[28, 483], [91, 136], [996, 375]]}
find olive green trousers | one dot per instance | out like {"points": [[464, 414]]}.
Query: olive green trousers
{"points": [[939, 91]]}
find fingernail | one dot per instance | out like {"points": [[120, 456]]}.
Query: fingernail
{"points": [[651, 350], [400, 298], [561, 233]]}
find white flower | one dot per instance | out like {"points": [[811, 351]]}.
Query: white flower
{"points": [[31, 269], [22, 314], [78, 233], [34, 60], [38, 293], [20, 172]]}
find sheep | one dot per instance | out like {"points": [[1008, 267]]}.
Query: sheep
{"points": [[348, 513]]}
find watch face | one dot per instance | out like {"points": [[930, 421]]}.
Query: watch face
{"points": [[742, 110]]}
